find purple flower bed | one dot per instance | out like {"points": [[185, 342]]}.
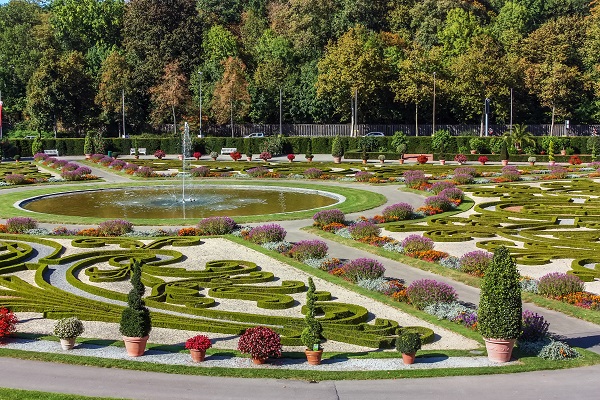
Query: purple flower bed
{"points": [[415, 242], [558, 171], [398, 212], [414, 178], [313, 173], [76, 175], [441, 202], [309, 249], [475, 262], [267, 233], [58, 164], [423, 292], [257, 172], [97, 157], [466, 171], [439, 186], [20, 224], [363, 268], [462, 179], [39, 156], [144, 172], [468, 319], [216, 226], [535, 327], [131, 168], [116, 227], [15, 179], [363, 176], [510, 172], [63, 231], [557, 284], [70, 166], [105, 161], [363, 229], [200, 172], [452, 193], [327, 217], [117, 164]]}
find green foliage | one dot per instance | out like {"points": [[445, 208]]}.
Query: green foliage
{"points": [[499, 312], [503, 151], [88, 144], [37, 146], [408, 343], [135, 319], [311, 335], [336, 147], [99, 143], [400, 142], [441, 141], [67, 328]]}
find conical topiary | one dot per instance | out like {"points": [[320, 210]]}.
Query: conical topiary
{"points": [[500, 310], [135, 319], [503, 152], [337, 149], [311, 335]]}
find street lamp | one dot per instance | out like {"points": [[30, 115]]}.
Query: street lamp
{"points": [[280, 110], [123, 105], [433, 127], [200, 95]]}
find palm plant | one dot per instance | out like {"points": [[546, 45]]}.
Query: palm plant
{"points": [[519, 137]]}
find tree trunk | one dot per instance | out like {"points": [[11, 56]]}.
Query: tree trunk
{"points": [[481, 128], [416, 118], [552, 123], [174, 122]]}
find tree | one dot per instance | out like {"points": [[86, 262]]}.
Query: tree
{"points": [[459, 29], [231, 100], [114, 79], [170, 94]]}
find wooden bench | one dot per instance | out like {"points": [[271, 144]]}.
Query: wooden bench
{"points": [[413, 157], [140, 151], [52, 152], [228, 150]]}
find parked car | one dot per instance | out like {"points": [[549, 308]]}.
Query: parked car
{"points": [[374, 134], [255, 135]]}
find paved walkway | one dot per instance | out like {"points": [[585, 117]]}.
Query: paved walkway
{"points": [[142, 385]]}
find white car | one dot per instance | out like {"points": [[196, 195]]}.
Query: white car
{"points": [[374, 134], [255, 135]]}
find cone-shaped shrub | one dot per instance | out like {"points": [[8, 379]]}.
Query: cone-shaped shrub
{"points": [[135, 319], [500, 309], [311, 335]]}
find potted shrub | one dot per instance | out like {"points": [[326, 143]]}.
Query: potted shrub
{"points": [[504, 154], [235, 155], [408, 343], [311, 335], [214, 155], [88, 145], [135, 319], [249, 150], [197, 155], [422, 159], [309, 155], [337, 151], [291, 157], [17, 157], [440, 141], [477, 145], [400, 143], [8, 321], [67, 330], [460, 158], [265, 156], [482, 160], [197, 346], [381, 158], [500, 310], [531, 160], [261, 343], [159, 154]]}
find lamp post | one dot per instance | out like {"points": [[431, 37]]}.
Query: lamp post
{"points": [[200, 95], [280, 110], [0, 115], [433, 119], [123, 106]]}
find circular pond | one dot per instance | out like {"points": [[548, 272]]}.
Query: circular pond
{"points": [[166, 202]]}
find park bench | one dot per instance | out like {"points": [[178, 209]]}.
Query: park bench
{"points": [[140, 151], [228, 150], [52, 152]]}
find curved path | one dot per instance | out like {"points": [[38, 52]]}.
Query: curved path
{"points": [[92, 381]]}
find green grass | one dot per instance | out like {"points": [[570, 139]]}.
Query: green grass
{"points": [[17, 394], [356, 200]]}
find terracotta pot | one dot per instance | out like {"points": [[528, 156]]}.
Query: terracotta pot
{"points": [[88, 156], [442, 162], [249, 158], [482, 162], [290, 160], [197, 355], [180, 156], [136, 157], [337, 160], [67, 343], [408, 358], [135, 346], [532, 163], [504, 163], [563, 152], [499, 350], [259, 361], [314, 357], [309, 159], [365, 161], [401, 160], [214, 158], [552, 162], [473, 151]]}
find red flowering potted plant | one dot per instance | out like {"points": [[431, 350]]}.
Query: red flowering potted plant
{"points": [[159, 154], [460, 158], [197, 346], [265, 156], [236, 155], [197, 155], [291, 157], [483, 159], [261, 343], [8, 320], [422, 159]]}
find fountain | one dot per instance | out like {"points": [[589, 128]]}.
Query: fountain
{"points": [[186, 147]]}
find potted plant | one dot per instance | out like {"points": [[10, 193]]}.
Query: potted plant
{"points": [[17, 157], [440, 141], [235, 155], [422, 159], [214, 155], [159, 154], [499, 313], [400, 143], [197, 155], [408, 343], [337, 151], [381, 158], [482, 160], [67, 330], [442, 159], [291, 157], [249, 150], [309, 155], [197, 346], [88, 145], [504, 154], [265, 156], [477, 145], [8, 320], [311, 335], [261, 343], [460, 158], [135, 320], [531, 160]]}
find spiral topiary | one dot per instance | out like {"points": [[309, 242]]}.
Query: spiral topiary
{"points": [[135, 319], [311, 335]]}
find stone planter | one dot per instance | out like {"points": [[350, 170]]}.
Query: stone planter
{"points": [[337, 160], [67, 343]]}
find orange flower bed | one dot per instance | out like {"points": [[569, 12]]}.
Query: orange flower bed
{"points": [[334, 226], [187, 232], [429, 210], [89, 232], [3, 228], [428, 255], [582, 299]]}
